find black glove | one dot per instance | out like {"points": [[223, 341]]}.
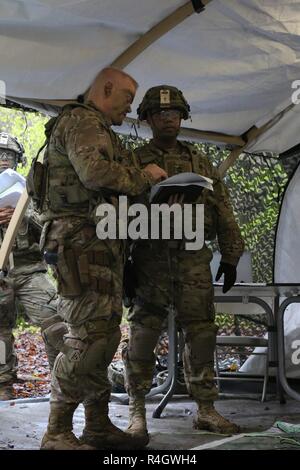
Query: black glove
{"points": [[50, 257], [229, 272], [129, 283]]}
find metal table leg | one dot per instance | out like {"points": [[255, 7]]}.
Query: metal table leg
{"points": [[272, 330], [171, 334], [279, 388], [170, 383], [173, 350]]}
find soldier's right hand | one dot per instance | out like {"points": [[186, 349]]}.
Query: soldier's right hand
{"points": [[155, 172]]}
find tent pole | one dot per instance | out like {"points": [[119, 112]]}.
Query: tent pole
{"points": [[250, 136], [230, 160]]}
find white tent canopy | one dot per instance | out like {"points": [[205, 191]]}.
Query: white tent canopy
{"points": [[235, 61]]}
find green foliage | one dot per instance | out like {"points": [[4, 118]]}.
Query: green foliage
{"points": [[28, 128], [256, 185]]}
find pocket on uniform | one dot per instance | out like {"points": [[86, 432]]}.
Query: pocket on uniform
{"points": [[7, 305], [69, 284], [100, 279]]}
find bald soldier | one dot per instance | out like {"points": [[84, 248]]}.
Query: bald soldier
{"points": [[85, 167], [167, 274]]}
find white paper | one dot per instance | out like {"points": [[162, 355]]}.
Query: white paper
{"points": [[183, 179], [11, 187], [8, 178]]}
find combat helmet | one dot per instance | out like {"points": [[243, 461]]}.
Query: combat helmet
{"points": [[9, 143], [163, 97]]}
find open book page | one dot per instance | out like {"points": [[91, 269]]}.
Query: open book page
{"points": [[189, 184]]}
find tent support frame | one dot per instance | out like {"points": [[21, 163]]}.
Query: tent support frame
{"points": [[249, 137], [159, 30]]}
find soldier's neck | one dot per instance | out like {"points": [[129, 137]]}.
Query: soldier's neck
{"points": [[165, 144]]}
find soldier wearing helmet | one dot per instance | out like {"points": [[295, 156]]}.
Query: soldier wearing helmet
{"points": [[191, 290], [162, 98], [27, 282], [11, 152]]}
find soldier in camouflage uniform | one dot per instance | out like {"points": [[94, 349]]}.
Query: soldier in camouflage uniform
{"points": [[27, 282], [85, 167], [165, 273]]}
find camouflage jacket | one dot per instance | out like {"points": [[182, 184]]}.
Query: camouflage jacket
{"points": [[86, 165], [219, 219], [26, 252]]}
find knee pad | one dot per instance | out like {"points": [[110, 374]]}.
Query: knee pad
{"points": [[100, 353], [93, 357], [141, 344], [8, 360], [82, 358], [7, 307], [53, 331], [200, 345]]}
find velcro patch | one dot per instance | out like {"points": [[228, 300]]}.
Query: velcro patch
{"points": [[165, 98], [4, 139], [75, 356]]}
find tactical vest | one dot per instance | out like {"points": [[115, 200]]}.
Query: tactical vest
{"points": [[65, 195], [178, 162], [189, 159], [22, 238], [26, 246]]}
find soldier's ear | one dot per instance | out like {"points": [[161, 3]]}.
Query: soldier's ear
{"points": [[108, 89], [149, 119]]}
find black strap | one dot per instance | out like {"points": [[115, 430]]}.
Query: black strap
{"points": [[273, 363], [272, 328], [198, 6]]}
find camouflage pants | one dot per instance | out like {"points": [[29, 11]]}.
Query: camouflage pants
{"points": [[37, 295], [190, 288], [93, 319]]}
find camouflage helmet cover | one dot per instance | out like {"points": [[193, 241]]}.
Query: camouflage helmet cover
{"points": [[163, 97], [8, 142]]}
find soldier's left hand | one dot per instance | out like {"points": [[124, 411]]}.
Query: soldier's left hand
{"points": [[229, 272], [5, 215]]}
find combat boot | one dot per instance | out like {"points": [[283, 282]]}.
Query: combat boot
{"points": [[208, 418], [6, 391], [101, 433], [59, 435], [137, 419]]}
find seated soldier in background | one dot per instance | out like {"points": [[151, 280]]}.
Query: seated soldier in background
{"points": [[27, 281]]}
